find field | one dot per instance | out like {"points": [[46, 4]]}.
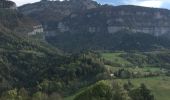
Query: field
{"points": [[115, 57], [159, 85]]}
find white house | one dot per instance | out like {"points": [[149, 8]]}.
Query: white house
{"points": [[36, 29]]}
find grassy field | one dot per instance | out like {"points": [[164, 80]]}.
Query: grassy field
{"points": [[115, 57], [74, 95], [160, 86], [134, 69], [69, 98]]}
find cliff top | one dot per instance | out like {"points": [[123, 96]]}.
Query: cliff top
{"points": [[7, 4]]}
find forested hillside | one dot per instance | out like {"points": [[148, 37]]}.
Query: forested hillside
{"points": [[87, 51], [37, 67], [32, 66], [16, 21], [123, 40]]}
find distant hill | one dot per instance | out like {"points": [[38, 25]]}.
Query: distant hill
{"points": [[89, 16], [54, 11], [73, 28]]}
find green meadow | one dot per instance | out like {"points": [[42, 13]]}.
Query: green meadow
{"points": [[160, 86]]}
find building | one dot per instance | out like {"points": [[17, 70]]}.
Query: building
{"points": [[36, 29]]}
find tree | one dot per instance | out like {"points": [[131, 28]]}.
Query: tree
{"points": [[55, 96], [104, 91], [40, 96], [128, 86], [119, 93], [10, 95], [23, 94], [99, 91], [141, 93]]}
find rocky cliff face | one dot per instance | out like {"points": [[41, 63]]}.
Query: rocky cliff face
{"points": [[75, 25], [110, 19], [88, 16], [5, 4]]}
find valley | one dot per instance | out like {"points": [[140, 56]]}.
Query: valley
{"points": [[83, 50], [157, 83]]}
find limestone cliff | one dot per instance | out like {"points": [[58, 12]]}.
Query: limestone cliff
{"points": [[89, 16], [75, 25], [110, 19]]}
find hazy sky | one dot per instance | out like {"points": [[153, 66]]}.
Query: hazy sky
{"points": [[147, 3]]}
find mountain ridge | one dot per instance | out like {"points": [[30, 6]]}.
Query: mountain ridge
{"points": [[102, 21], [60, 16]]}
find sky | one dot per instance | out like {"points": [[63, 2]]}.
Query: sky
{"points": [[146, 3]]}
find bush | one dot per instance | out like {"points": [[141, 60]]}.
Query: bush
{"points": [[141, 93]]}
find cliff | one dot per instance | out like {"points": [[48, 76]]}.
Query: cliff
{"points": [[76, 25], [6, 4], [109, 19], [89, 16]]}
